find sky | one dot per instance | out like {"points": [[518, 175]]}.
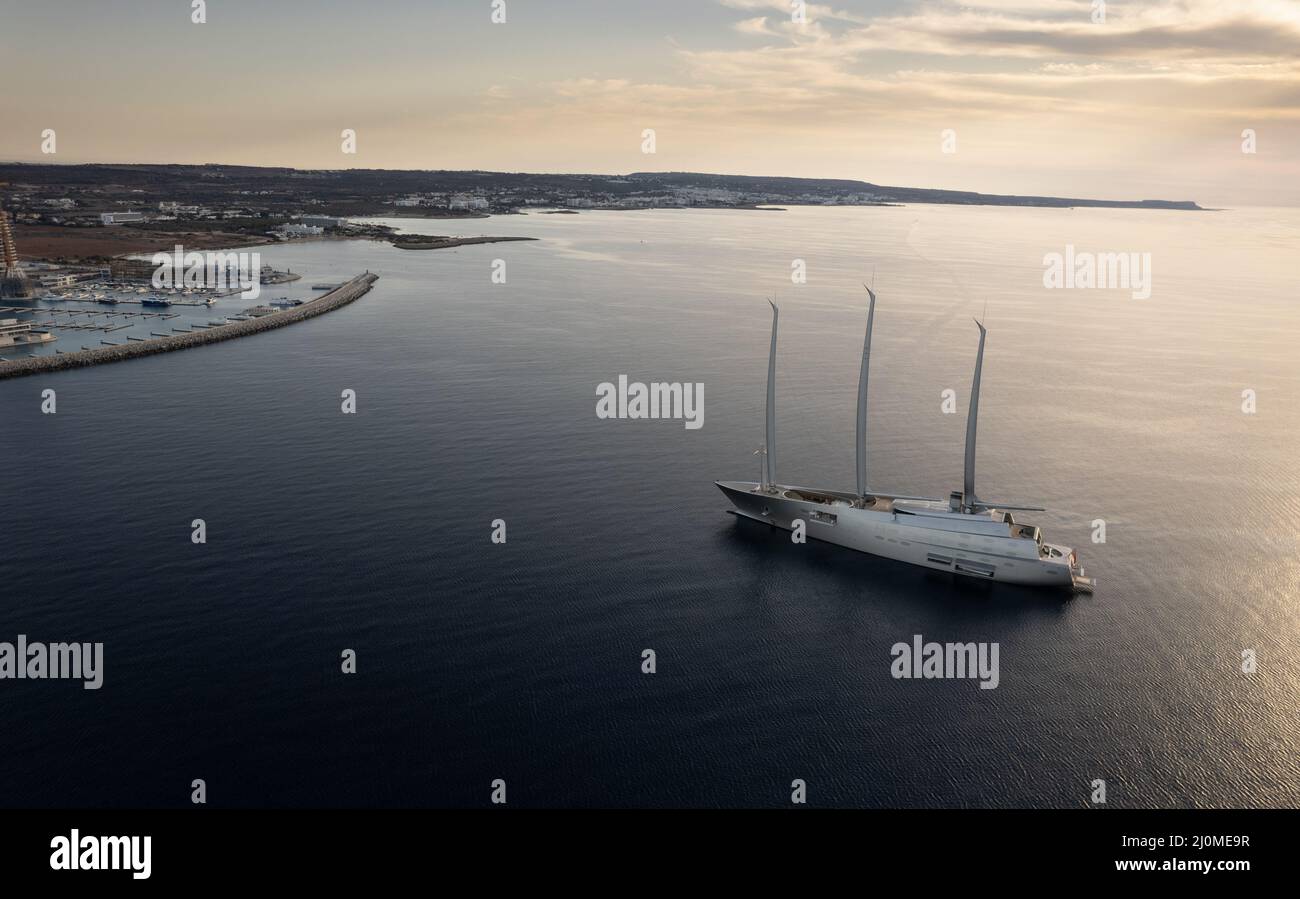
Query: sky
{"points": [[1139, 100]]}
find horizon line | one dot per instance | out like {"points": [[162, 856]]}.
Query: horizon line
{"points": [[614, 175]]}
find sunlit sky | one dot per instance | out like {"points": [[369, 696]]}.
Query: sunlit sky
{"points": [[1150, 103]]}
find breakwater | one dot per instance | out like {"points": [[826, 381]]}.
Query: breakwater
{"points": [[342, 295], [421, 242]]}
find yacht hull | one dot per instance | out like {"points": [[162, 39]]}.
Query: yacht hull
{"points": [[894, 534]]}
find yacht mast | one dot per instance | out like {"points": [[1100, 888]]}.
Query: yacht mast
{"points": [[769, 455], [862, 397], [972, 419]]}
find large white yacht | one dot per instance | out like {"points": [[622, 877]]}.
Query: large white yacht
{"points": [[965, 535]]}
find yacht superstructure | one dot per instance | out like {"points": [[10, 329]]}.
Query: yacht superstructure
{"points": [[964, 535]]}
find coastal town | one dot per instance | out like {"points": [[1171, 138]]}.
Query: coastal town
{"points": [[78, 239], [95, 212]]}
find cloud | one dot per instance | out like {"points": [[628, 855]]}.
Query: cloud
{"points": [[1242, 29], [812, 11], [1032, 84], [756, 26], [1033, 44]]}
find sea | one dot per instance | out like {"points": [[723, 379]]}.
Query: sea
{"points": [[629, 643]]}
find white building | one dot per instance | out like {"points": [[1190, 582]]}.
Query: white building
{"points": [[323, 221], [294, 230], [119, 218], [467, 202]]}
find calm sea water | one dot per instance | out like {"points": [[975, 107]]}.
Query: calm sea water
{"points": [[522, 661]]}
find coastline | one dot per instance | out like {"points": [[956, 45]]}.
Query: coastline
{"points": [[345, 293], [85, 247], [442, 243]]}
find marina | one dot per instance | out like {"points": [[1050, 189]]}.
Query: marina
{"points": [[195, 334], [124, 309]]}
